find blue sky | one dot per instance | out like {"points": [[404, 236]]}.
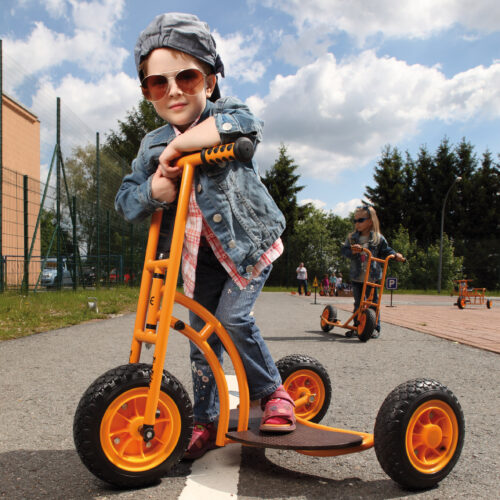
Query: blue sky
{"points": [[333, 80]]}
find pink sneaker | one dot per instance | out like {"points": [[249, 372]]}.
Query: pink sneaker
{"points": [[202, 440]]}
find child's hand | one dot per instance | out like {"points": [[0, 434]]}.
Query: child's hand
{"points": [[356, 248], [399, 258], [163, 188], [167, 159]]}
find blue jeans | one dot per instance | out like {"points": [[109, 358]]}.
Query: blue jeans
{"points": [[357, 289], [218, 293]]}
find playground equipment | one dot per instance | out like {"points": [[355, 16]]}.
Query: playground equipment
{"points": [[364, 319], [471, 296], [134, 423]]}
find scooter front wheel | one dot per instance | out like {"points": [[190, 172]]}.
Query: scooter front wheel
{"points": [[304, 376], [329, 315], [108, 422], [419, 433]]}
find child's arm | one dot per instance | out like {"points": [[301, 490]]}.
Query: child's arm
{"points": [[346, 249], [203, 135], [386, 250]]}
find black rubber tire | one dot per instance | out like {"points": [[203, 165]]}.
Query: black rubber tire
{"points": [[488, 303], [461, 302], [329, 313], [294, 363], [92, 408], [365, 329], [393, 423]]}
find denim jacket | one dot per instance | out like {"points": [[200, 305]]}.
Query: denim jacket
{"points": [[381, 251], [234, 201]]}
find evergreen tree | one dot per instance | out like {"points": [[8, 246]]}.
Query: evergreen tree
{"points": [[424, 223], [388, 195], [281, 182]]}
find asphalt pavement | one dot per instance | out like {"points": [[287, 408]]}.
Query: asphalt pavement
{"points": [[42, 378]]}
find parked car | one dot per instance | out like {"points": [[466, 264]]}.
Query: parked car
{"points": [[49, 273]]}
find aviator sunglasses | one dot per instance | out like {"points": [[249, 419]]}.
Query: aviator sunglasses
{"points": [[190, 81], [361, 219]]}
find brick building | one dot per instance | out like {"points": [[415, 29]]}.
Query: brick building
{"points": [[21, 156]]}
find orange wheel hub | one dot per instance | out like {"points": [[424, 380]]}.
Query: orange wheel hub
{"points": [[306, 383], [121, 425], [432, 436]]}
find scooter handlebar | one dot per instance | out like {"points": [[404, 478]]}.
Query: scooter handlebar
{"points": [[242, 150]]}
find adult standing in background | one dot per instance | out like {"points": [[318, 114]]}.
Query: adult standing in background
{"points": [[302, 278]]}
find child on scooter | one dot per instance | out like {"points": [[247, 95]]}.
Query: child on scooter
{"points": [[366, 234], [233, 227]]}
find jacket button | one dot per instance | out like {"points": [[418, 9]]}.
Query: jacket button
{"points": [[226, 126], [217, 218], [232, 244], [249, 269], [198, 188]]}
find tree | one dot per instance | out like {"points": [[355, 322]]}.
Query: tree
{"points": [[126, 141], [281, 182], [388, 195]]}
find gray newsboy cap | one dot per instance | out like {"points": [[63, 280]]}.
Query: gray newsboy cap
{"points": [[183, 32]]}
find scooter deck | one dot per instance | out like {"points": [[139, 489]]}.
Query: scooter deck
{"points": [[302, 438]]}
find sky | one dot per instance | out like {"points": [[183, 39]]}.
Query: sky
{"points": [[335, 81]]}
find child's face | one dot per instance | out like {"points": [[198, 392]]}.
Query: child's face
{"points": [[362, 222], [176, 107]]}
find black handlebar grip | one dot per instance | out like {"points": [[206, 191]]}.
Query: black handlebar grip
{"points": [[243, 149]]}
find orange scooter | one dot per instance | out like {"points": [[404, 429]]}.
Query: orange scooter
{"points": [[365, 318], [134, 422], [471, 296]]}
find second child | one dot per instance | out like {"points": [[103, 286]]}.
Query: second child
{"points": [[366, 234]]}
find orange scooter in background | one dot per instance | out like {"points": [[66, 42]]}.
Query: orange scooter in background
{"points": [[366, 316]]}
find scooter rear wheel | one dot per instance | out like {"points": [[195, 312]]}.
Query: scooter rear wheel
{"points": [[366, 324], [108, 422], [461, 302], [488, 303], [306, 376], [419, 433]]}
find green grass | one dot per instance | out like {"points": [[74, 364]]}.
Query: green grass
{"points": [[22, 315]]}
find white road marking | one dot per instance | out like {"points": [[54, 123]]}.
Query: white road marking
{"points": [[215, 475]]}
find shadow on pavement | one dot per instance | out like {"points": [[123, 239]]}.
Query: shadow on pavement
{"points": [[49, 474]]}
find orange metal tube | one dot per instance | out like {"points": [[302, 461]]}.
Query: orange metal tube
{"points": [[169, 293]]}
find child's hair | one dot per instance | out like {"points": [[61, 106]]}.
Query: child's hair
{"points": [[375, 232]]}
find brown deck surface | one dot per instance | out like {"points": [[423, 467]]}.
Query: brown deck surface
{"points": [[439, 316], [302, 438]]}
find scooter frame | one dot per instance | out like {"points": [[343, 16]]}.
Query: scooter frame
{"points": [[118, 417]]}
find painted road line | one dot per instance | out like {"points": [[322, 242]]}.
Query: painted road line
{"points": [[216, 474]]}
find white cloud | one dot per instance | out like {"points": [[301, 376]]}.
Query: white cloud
{"points": [[239, 55], [86, 108], [90, 46], [390, 18], [344, 208], [319, 204], [334, 116]]}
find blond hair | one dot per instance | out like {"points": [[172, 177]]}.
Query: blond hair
{"points": [[372, 214]]}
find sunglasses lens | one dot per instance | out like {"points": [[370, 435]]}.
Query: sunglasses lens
{"points": [[189, 81], [154, 87]]}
